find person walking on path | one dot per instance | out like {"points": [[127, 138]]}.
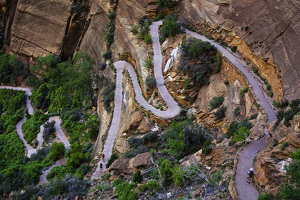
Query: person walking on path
{"points": [[103, 156], [101, 165], [250, 176]]}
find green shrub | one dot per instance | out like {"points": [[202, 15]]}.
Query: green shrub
{"points": [[147, 39], [124, 191], [57, 150], [269, 86], [58, 172], [149, 138], [166, 168], [137, 177], [234, 48], [220, 113], [112, 15], [240, 135], [153, 185], [162, 4], [169, 27], [216, 102], [253, 116], [134, 142], [107, 55], [184, 138], [108, 95], [135, 30], [150, 82], [136, 151], [49, 130], [243, 91], [282, 104], [148, 63], [178, 175], [266, 196], [270, 93], [284, 145], [206, 149], [217, 177]]}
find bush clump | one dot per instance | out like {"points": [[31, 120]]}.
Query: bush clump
{"points": [[170, 27], [108, 95], [216, 102], [150, 82], [31, 127], [57, 150], [220, 113]]}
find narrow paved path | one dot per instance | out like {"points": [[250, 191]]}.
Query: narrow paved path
{"points": [[245, 159], [171, 112], [29, 149], [43, 178]]}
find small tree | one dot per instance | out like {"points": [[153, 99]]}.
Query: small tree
{"points": [[137, 177], [57, 150], [220, 113], [216, 102], [150, 82]]}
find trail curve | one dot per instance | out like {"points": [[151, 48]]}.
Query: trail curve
{"points": [[245, 158], [29, 149], [173, 108]]}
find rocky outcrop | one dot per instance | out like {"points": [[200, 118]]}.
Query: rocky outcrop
{"points": [[270, 163], [271, 34], [39, 27], [130, 165]]}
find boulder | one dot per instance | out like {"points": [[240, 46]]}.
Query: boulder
{"points": [[146, 125], [130, 165]]}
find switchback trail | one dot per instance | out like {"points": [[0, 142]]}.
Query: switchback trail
{"points": [[173, 108], [29, 149], [245, 158]]}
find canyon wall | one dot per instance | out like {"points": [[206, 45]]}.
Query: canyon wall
{"points": [[269, 28], [39, 27]]}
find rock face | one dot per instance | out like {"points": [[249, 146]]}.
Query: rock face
{"points": [[270, 163], [130, 165], [272, 33], [39, 27]]}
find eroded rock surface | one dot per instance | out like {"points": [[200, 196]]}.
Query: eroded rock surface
{"points": [[270, 163], [39, 27], [269, 28], [130, 165]]}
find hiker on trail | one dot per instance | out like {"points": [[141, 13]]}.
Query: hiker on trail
{"points": [[101, 165], [103, 156], [250, 175]]}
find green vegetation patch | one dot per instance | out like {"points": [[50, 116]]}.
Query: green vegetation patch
{"points": [[31, 127], [12, 105], [201, 60], [170, 27], [216, 102]]}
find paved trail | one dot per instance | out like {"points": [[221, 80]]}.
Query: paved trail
{"points": [[29, 149], [245, 159], [173, 107]]}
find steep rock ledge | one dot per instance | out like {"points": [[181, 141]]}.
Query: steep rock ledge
{"points": [[39, 27], [270, 34]]}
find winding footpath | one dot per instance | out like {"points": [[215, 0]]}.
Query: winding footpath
{"points": [[29, 149], [245, 191], [173, 108], [245, 158]]}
